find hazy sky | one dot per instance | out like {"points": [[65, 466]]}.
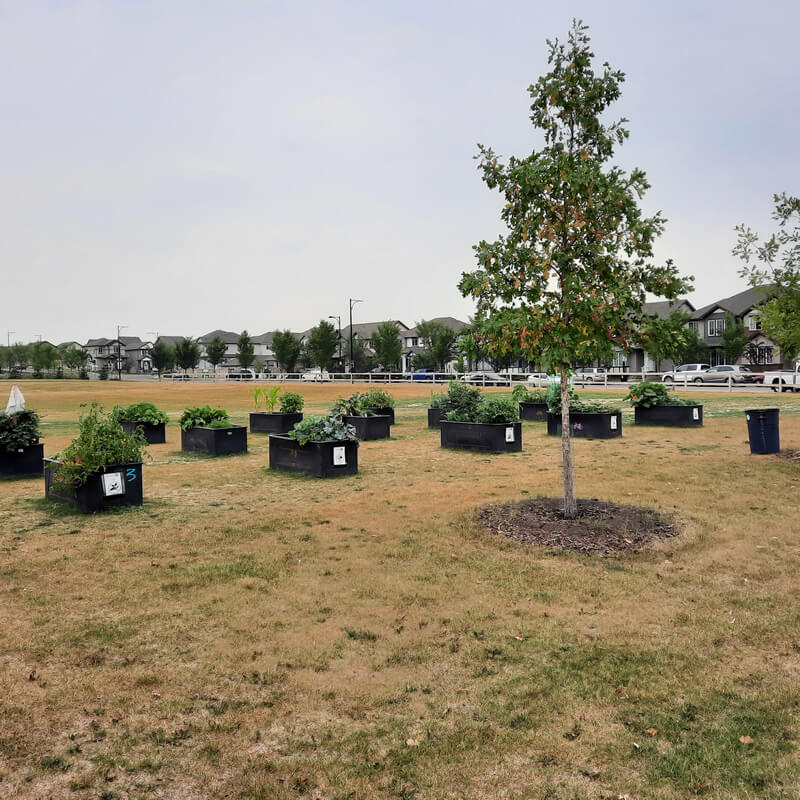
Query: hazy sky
{"points": [[183, 166]]}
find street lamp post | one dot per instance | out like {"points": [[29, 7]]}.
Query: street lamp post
{"points": [[8, 337], [352, 303], [119, 352], [338, 319]]}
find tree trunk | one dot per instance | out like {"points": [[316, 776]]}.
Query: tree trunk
{"points": [[570, 504]]}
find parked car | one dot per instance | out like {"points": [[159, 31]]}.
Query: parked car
{"points": [[316, 375], [538, 379], [590, 375], [686, 372], [243, 374], [181, 376], [722, 372], [422, 375], [484, 379]]}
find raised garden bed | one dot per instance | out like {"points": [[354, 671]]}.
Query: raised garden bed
{"points": [[154, 432], [382, 411], [116, 485], [215, 441], [320, 459], [588, 424], [434, 417], [670, 416], [504, 437], [25, 461], [370, 428], [273, 421], [533, 411]]}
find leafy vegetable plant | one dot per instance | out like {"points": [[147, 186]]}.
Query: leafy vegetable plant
{"points": [[268, 396], [204, 416], [460, 401], [647, 393], [139, 412], [377, 398], [522, 394], [18, 430], [292, 402], [352, 406], [575, 403], [322, 429], [100, 442]]}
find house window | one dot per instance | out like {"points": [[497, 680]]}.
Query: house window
{"points": [[695, 325], [715, 327], [754, 322]]}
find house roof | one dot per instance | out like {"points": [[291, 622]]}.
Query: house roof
{"points": [[456, 324], [366, 330], [663, 308], [102, 342], [131, 341], [737, 304], [229, 337], [171, 339]]}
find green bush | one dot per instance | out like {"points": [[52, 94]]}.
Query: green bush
{"points": [[292, 402], [322, 429], [204, 417], [647, 393], [460, 402], [18, 430], [100, 443], [496, 410], [377, 398], [139, 412]]}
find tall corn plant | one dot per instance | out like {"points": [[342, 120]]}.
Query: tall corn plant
{"points": [[569, 278]]}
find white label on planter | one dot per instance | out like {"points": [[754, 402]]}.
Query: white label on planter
{"points": [[695, 413], [509, 434], [613, 422], [112, 484], [339, 458]]}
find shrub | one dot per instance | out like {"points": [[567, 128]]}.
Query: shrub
{"points": [[292, 403], [322, 429], [647, 393], [377, 398], [205, 417], [496, 410], [18, 430], [460, 401], [139, 412], [100, 442], [103, 373]]}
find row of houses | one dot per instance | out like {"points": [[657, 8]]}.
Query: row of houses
{"points": [[132, 354]]}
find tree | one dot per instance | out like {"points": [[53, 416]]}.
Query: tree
{"points": [[322, 343], [20, 354], [774, 266], [362, 361], [43, 356], [215, 353], [74, 357], [286, 347], [387, 345], [695, 350], [162, 356], [246, 354], [664, 337], [187, 353], [572, 273], [5, 357], [734, 339], [440, 342]]}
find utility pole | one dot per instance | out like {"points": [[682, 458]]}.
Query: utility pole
{"points": [[8, 337], [338, 319], [352, 303], [119, 353]]}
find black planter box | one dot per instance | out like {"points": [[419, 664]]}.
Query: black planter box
{"points": [[533, 411], [215, 441], [273, 421], [670, 416], [154, 433], [383, 411], [494, 438], [122, 487], [28, 461], [434, 417], [320, 459], [590, 425], [370, 428]]}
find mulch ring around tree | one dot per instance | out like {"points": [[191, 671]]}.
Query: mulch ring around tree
{"points": [[600, 528]]}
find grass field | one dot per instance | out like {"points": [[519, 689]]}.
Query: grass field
{"points": [[250, 634]]}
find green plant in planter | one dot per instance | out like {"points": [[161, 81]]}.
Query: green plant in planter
{"points": [[205, 417], [352, 406], [377, 398], [646, 394], [292, 403], [139, 412], [268, 396], [437, 398], [460, 401], [496, 410], [522, 394], [575, 403], [322, 429], [18, 430], [100, 443]]}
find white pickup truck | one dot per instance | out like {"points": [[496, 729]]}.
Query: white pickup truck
{"points": [[784, 380]]}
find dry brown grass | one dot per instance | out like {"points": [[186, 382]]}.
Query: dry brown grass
{"points": [[261, 635]]}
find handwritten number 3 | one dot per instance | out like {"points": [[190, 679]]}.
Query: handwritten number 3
{"points": [[130, 474]]}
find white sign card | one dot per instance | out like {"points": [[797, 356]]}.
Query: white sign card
{"points": [[509, 434], [113, 484], [613, 422], [695, 413], [339, 457]]}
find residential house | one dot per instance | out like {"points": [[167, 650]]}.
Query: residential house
{"points": [[125, 354], [364, 331], [637, 360], [413, 342], [231, 340]]}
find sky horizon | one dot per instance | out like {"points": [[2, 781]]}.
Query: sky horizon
{"points": [[177, 167]]}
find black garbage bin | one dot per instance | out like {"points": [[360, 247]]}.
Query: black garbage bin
{"points": [[763, 429]]}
